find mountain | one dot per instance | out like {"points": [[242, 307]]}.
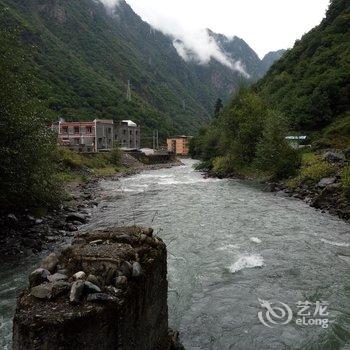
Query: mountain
{"points": [[83, 58], [270, 58], [311, 82]]}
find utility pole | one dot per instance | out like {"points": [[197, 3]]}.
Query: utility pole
{"points": [[128, 92]]}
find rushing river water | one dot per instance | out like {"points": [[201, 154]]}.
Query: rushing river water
{"points": [[229, 246]]}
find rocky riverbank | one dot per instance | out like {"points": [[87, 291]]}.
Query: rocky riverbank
{"points": [[27, 233], [107, 290], [325, 194]]}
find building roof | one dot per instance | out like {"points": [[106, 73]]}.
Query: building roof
{"points": [[129, 122]]}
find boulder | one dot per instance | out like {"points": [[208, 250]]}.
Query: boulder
{"points": [[57, 277], [93, 279], [76, 292], [38, 276], [334, 157], [326, 182], [79, 275], [50, 291], [50, 262], [136, 270], [91, 288], [126, 269]]}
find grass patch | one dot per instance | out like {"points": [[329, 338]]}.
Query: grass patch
{"points": [[312, 170]]}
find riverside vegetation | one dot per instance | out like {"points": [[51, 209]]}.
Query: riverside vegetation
{"points": [[305, 93]]}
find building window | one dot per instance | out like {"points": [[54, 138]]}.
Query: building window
{"points": [[65, 129], [76, 141], [130, 132], [89, 129], [124, 132], [100, 140], [76, 130]]}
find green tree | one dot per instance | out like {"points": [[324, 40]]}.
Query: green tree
{"points": [[218, 107], [274, 155], [27, 146]]}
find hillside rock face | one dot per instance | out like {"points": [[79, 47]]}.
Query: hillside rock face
{"points": [[114, 297]]}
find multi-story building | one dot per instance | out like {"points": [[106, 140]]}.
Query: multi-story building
{"points": [[179, 145], [127, 134], [96, 136]]}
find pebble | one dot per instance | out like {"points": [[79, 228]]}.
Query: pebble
{"points": [[79, 275], [50, 262], [76, 292]]}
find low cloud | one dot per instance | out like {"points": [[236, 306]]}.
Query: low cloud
{"points": [[191, 44], [110, 4], [199, 46]]}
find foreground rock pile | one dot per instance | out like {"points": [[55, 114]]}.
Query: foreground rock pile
{"points": [[96, 268], [107, 290]]}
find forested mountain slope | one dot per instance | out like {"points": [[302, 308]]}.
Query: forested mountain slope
{"points": [[311, 83], [83, 58]]}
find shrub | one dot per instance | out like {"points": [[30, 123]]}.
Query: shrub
{"points": [[115, 156], [274, 155], [223, 166], [312, 172]]}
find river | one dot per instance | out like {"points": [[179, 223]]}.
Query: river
{"points": [[231, 247]]}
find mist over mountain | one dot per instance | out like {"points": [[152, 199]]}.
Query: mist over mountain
{"points": [[85, 53]]}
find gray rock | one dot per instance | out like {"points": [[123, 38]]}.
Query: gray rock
{"points": [[334, 157], [100, 298], [76, 292], [136, 270], [50, 291], [57, 277], [76, 217], [126, 269], [93, 279], [121, 281], [38, 276], [91, 288], [43, 291], [79, 275], [60, 288], [326, 182], [50, 262]]}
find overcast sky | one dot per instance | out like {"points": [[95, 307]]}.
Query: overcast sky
{"points": [[266, 25]]}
